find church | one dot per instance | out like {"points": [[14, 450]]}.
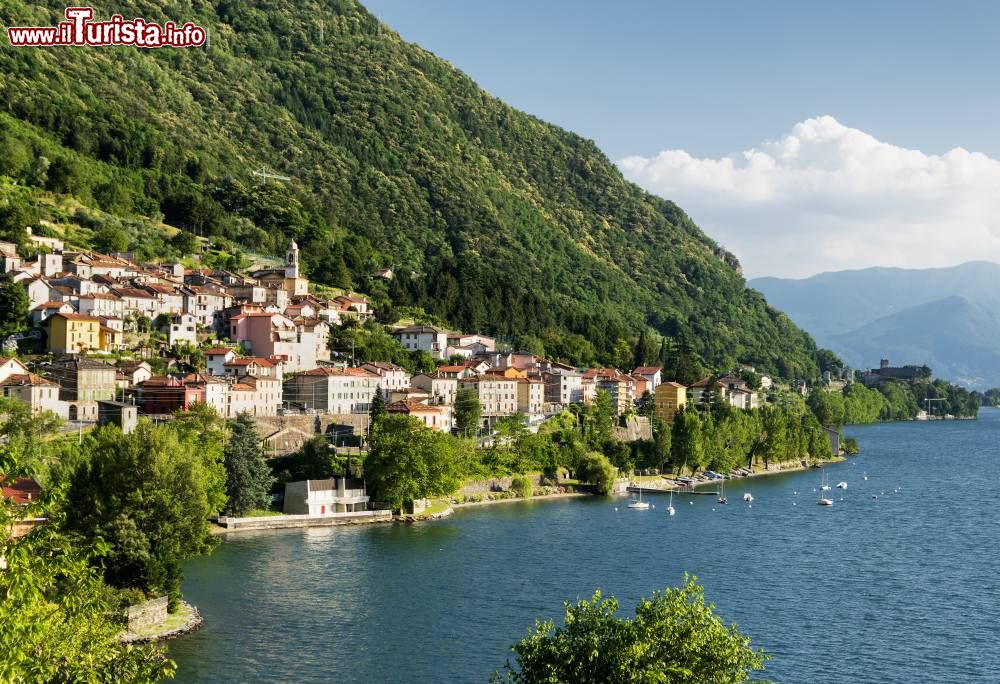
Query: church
{"points": [[289, 278]]}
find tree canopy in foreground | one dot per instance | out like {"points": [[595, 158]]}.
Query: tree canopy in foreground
{"points": [[674, 638], [56, 615]]}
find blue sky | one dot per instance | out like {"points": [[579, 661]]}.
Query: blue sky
{"points": [[715, 80]]}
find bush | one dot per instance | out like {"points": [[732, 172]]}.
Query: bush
{"points": [[522, 486]]}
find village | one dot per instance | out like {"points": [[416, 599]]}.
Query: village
{"points": [[107, 323]]}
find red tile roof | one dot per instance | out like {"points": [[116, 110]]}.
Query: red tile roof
{"points": [[411, 406], [77, 317], [22, 379], [23, 490]]}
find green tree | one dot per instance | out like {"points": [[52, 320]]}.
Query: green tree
{"points": [[184, 242], [144, 495], [687, 445], [674, 638], [596, 469], [56, 623], [408, 461], [828, 407], [248, 478], [14, 308], [377, 409], [602, 416], [774, 444], [110, 238], [467, 411]]}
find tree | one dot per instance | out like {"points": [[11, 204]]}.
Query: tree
{"points": [[408, 461], [248, 479], [602, 414], [14, 308], [377, 409], [184, 242], [596, 469], [828, 407], [467, 411], [110, 238], [144, 495], [686, 442], [675, 638], [55, 615]]}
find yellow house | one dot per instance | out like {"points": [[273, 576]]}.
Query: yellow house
{"points": [[111, 339], [71, 333], [669, 398], [509, 372]]}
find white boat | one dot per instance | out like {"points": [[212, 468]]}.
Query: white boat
{"points": [[841, 485], [748, 497], [823, 499], [722, 492], [670, 504], [638, 503]]}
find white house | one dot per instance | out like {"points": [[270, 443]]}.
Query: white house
{"points": [[216, 359], [652, 376], [323, 497], [394, 378], [423, 338], [333, 390], [182, 328], [434, 417], [441, 389]]}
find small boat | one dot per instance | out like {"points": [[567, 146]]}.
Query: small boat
{"points": [[722, 493], [638, 503], [841, 485], [823, 499], [670, 505], [748, 497]]}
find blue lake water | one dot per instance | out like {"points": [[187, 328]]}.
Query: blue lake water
{"points": [[899, 589]]}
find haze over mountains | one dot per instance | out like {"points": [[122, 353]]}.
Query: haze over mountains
{"points": [[948, 318]]}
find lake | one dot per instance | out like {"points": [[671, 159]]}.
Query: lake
{"points": [[900, 588]]}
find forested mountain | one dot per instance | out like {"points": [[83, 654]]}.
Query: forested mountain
{"points": [[946, 318], [492, 219]]}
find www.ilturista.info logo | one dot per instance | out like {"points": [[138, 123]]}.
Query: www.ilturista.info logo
{"points": [[78, 29]]}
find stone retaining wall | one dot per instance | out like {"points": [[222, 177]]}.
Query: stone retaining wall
{"points": [[497, 484], [274, 522], [146, 614]]}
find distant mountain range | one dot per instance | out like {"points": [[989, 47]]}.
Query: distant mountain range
{"points": [[947, 318]]}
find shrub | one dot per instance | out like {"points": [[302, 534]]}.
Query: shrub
{"points": [[522, 486]]}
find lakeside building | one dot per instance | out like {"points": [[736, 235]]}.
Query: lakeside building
{"points": [[323, 497]]}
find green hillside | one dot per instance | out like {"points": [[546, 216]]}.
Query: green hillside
{"points": [[492, 219]]}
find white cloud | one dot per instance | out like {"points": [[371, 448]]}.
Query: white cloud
{"points": [[828, 197]]}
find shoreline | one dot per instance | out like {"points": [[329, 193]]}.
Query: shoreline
{"points": [[193, 624], [513, 499], [667, 485]]}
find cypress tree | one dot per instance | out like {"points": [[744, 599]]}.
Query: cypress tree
{"points": [[248, 478]]}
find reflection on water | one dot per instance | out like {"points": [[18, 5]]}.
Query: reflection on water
{"points": [[895, 589]]}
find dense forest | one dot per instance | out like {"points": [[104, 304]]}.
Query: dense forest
{"points": [[492, 219]]}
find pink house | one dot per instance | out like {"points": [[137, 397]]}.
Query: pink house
{"points": [[265, 334]]}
